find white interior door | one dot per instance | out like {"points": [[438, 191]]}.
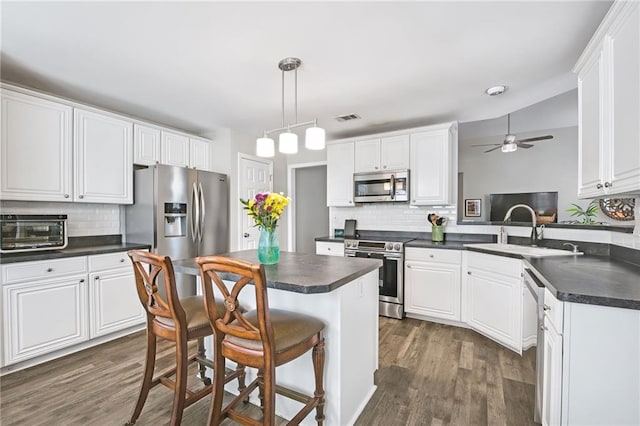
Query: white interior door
{"points": [[254, 176]]}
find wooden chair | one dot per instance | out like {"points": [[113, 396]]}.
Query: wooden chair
{"points": [[177, 320], [263, 338]]}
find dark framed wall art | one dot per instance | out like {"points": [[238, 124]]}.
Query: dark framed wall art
{"points": [[473, 207]]}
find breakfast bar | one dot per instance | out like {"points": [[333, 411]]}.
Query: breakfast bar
{"points": [[343, 293]]}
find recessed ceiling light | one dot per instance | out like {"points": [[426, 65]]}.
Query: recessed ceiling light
{"points": [[496, 90]]}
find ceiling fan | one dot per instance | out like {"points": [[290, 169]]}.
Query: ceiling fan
{"points": [[511, 143]]}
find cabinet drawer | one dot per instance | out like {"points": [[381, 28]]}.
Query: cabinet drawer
{"points": [[496, 264], [433, 255], [43, 269], [553, 310], [101, 262], [329, 249]]}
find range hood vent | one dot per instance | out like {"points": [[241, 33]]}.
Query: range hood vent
{"points": [[348, 117]]}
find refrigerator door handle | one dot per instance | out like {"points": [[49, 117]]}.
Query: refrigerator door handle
{"points": [[195, 212], [202, 211]]}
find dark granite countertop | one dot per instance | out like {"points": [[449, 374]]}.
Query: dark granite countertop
{"points": [[592, 280], [80, 246], [450, 245], [297, 272]]}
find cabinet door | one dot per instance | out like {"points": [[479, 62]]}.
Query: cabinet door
{"points": [[431, 168], [552, 379], [175, 149], [200, 154], [367, 156], [394, 152], [495, 307], [114, 302], [103, 158], [36, 149], [43, 316], [433, 289], [590, 124], [146, 145], [340, 174], [624, 53]]}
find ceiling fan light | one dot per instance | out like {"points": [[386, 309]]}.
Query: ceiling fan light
{"points": [[314, 138], [509, 147], [288, 143], [265, 147]]}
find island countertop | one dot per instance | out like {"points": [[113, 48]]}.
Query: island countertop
{"points": [[298, 272]]}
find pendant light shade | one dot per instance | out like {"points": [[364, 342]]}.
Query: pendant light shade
{"points": [[314, 138], [265, 147], [288, 143]]}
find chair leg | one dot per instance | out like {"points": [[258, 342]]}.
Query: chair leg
{"points": [[215, 412], [269, 390], [181, 381], [203, 368], [241, 380], [147, 377], [318, 369], [261, 388]]}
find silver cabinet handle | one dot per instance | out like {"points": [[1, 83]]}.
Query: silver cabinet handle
{"points": [[384, 167], [121, 260], [468, 272], [49, 269], [543, 328], [97, 278], [599, 186], [81, 196], [376, 167], [82, 280], [431, 256], [608, 184], [66, 195], [246, 235], [546, 308]]}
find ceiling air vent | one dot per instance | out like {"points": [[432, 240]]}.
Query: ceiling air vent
{"points": [[348, 117]]}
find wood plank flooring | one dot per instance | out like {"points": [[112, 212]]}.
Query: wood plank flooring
{"points": [[430, 374]]}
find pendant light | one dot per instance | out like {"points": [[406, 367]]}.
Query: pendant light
{"points": [[287, 140]]}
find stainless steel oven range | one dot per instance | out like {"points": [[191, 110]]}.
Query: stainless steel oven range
{"points": [[391, 279]]}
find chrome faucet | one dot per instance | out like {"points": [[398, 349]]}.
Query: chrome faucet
{"points": [[534, 231]]}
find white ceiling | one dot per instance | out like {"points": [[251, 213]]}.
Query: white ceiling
{"points": [[203, 65]]}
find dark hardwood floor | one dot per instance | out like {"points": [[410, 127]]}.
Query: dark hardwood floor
{"points": [[430, 374]]}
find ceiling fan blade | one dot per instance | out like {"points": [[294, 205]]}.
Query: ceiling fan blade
{"points": [[537, 138], [489, 144], [524, 145], [493, 149]]}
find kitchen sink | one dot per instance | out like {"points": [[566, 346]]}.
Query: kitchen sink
{"points": [[523, 250]]}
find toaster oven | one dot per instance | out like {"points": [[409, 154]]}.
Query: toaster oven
{"points": [[32, 232]]}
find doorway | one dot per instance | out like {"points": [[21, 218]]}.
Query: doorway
{"points": [[255, 175], [309, 216]]}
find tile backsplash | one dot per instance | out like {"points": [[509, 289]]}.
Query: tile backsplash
{"points": [[83, 219]]}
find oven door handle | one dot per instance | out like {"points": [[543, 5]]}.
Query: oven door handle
{"points": [[393, 187]]}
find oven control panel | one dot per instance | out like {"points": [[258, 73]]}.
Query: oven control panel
{"points": [[374, 246]]}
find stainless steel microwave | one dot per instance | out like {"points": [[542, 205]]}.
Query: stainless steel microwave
{"points": [[376, 187], [32, 232]]}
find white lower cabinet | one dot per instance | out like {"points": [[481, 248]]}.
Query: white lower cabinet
{"points": [[552, 380], [328, 248], [432, 283], [43, 316], [493, 298], [113, 297], [52, 305]]}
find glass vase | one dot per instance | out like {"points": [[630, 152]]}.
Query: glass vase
{"points": [[268, 247]]}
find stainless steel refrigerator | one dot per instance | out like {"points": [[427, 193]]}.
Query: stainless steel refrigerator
{"points": [[181, 213]]}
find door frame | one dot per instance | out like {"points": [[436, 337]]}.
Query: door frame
{"points": [[239, 217], [291, 189]]}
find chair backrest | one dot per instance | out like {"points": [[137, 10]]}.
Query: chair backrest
{"points": [[150, 268], [232, 321]]}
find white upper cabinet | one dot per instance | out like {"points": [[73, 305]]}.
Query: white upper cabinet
{"points": [[340, 161], [382, 154], [175, 149], [200, 154], [103, 152], [36, 149], [609, 106], [433, 165], [184, 151], [367, 156], [146, 145]]}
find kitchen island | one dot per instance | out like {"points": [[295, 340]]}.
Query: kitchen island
{"points": [[343, 293]]}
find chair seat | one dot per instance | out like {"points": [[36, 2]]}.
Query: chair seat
{"points": [[195, 313], [289, 329]]}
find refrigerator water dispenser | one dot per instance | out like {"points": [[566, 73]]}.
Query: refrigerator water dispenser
{"points": [[175, 220]]}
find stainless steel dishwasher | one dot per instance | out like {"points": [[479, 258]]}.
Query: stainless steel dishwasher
{"points": [[537, 290]]}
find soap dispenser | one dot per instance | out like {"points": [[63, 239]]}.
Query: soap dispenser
{"points": [[502, 235]]}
